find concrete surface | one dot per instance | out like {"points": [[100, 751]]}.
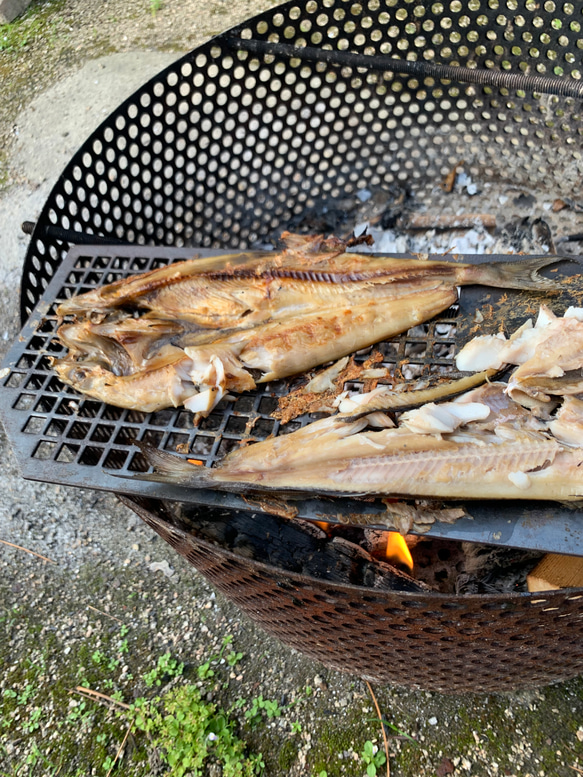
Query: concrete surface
{"points": [[10, 9], [51, 129]]}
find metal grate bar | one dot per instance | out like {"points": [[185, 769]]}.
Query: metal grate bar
{"points": [[567, 87]]}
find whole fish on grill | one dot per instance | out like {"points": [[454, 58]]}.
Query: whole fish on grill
{"points": [[482, 445], [191, 332]]}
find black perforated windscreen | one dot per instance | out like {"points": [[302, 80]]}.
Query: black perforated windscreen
{"points": [[224, 146]]}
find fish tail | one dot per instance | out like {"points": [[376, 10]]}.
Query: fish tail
{"points": [[520, 273], [172, 469]]}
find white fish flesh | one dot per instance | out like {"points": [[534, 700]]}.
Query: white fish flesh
{"points": [[548, 355]]}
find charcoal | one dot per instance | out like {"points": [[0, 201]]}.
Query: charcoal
{"points": [[341, 554]]}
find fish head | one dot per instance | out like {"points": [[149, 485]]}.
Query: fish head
{"points": [[83, 377]]}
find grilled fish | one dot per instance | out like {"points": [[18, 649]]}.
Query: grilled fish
{"points": [[549, 355], [229, 322], [475, 447]]}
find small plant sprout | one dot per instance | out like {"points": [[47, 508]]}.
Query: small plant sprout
{"points": [[260, 706], [234, 658], [205, 672], [372, 757], [167, 667]]}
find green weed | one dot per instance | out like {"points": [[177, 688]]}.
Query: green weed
{"points": [[260, 706], [191, 733], [166, 668], [155, 6], [372, 757]]}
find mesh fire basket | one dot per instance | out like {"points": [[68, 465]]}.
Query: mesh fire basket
{"points": [[292, 112]]}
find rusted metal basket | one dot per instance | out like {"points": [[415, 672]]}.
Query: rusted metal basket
{"points": [[433, 641], [227, 146]]}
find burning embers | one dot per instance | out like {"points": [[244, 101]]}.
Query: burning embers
{"points": [[337, 553]]}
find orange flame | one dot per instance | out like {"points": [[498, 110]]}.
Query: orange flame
{"points": [[323, 525], [398, 553]]}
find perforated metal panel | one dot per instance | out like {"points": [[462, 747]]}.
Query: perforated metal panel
{"points": [[224, 147], [438, 642]]}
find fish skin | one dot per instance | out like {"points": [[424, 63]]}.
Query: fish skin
{"points": [[269, 283], [147, 391], [385, 398], [128, 344], [279, 313]]}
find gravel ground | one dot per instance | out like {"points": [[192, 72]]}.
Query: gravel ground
{"points": [[114, 598]]}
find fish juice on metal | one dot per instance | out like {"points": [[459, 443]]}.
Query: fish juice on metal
{"points": [[191, 332]]}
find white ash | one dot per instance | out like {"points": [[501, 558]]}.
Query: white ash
{"points": [[518, 216]]}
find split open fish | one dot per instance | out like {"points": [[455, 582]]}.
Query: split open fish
{"points": [[194, 331], [482, 445]]}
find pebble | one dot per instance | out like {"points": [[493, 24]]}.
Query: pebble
{"points": [[162, 566], [320, 683]]}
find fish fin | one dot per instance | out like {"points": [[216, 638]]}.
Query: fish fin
{"points": [[519, 273], [172, 469]]}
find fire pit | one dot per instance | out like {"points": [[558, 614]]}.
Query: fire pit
{"points": [[233, 143], [432, 641]]}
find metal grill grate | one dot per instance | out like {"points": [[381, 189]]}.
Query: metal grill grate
{"points": [[53, 425], [62, 437]]}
